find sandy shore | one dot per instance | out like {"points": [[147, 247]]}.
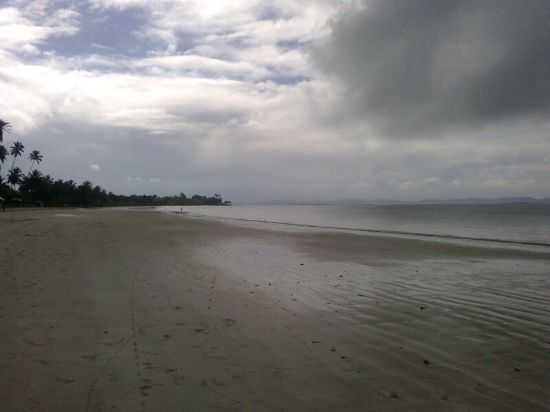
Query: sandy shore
{"points": [[111, 310]]}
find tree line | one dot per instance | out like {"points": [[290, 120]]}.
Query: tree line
{"points": [[38, 189]]}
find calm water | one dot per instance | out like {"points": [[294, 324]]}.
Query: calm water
{"points": [[510, 222]]}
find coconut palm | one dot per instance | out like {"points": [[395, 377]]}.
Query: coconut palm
{"points": [[15, 176], [4, 127], [35, 157], [16, 150], [3, 153], [36, 174]]}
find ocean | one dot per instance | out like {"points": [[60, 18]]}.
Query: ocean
{"points": [[508, 223]]}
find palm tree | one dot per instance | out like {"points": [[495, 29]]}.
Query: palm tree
{"points": [[15, 176], [35, 157], [16, 150], [3, 156], [4, 126], [36, 174]]}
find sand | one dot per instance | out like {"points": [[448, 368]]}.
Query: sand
{"points": [[116, 310]]}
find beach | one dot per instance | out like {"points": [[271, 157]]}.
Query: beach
{"points": [[137, 310]]}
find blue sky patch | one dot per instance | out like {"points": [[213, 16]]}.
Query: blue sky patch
{"points": [[106, 32]]}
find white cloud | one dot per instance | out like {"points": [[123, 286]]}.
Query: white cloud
{"points": [[217, 83], [95, 167], [198, 66], [27, 26], [235, 31]]}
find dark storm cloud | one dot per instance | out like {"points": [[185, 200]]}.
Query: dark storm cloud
{"points": [[422, 67]]}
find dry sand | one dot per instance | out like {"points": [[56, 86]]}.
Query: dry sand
{"points": [[112, 310]]}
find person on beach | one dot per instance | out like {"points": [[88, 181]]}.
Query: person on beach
{"points": [[3, 202]]}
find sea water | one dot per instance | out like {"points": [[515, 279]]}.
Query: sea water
{"points": [[512, 222]]}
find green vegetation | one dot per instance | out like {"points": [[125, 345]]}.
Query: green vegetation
{"points": [[37, 189]]}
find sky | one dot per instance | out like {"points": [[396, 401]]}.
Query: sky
{"points": [[280, 100]]}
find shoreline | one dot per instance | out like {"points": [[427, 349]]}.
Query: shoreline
{"points": [[483, 241], [133, 310]]}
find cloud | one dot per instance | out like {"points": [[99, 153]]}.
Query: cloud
{"points": [[199, 66], [227, 97], [225, 78], [28, 24], [417, 67], [257, 36]]}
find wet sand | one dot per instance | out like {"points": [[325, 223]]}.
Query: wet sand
{"points": [[104, 310]]}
